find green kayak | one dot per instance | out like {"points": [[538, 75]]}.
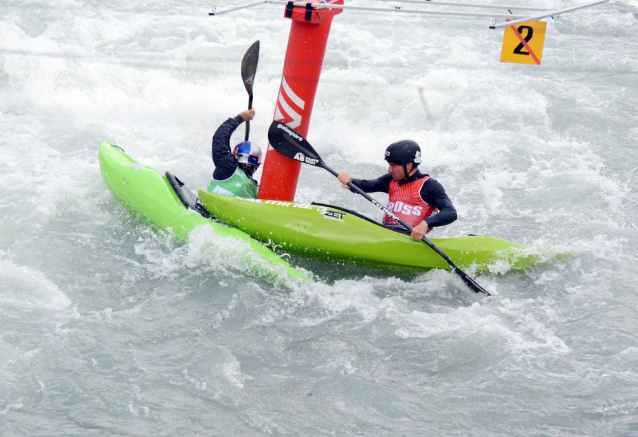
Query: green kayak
{"points": [[332, 233], [164, 203]]}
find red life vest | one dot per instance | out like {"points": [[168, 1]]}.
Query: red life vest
{"points": [[405, 202]]}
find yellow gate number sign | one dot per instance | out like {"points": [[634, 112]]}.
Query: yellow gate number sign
{"points": [[523, 44]]}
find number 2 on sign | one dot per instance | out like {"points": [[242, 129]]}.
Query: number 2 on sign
{"points": [[530, 32], [524, 44]]}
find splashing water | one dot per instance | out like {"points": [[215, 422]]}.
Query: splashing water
{"points": [[111, 328]]}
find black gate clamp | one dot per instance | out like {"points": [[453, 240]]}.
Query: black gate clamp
{"points": [[290, 6], [308, 12]]}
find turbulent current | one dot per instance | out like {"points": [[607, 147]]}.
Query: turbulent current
{"points": [[108, 327]]}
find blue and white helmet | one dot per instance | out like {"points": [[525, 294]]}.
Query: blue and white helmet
{"points": [[248, 153]]}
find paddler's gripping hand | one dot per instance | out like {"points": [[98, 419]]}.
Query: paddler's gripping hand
{"points": [[345, 179], [419, 231], [248, 114]]}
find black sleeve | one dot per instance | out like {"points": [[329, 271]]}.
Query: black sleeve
{"points": [[379, 185], [433, 194], [223, 158]]}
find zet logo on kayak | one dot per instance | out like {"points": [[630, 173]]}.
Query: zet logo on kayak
{"points": [[332, 215]]}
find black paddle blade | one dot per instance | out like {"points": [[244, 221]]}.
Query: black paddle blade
{"points": [[471, 283], [292, 144], [249, 66]]}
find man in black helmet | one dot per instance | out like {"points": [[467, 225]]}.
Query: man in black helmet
{"points": [[415, 197]]}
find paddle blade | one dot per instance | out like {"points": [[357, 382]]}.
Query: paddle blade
{"points": [[471, 283], [249, 66], [292, 144]]}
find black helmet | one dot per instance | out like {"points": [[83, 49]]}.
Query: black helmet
{"points": [[402, 152]]}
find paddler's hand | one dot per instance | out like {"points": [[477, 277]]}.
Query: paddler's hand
{"points": [[345, 179], [248, 114], [419, 231]]}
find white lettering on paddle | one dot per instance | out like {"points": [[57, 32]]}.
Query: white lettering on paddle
{"points": [[290, 132], [301, 157]]}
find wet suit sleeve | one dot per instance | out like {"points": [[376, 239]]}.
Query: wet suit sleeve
{"points": [[223, 158], [434, 194], [379, 185]]}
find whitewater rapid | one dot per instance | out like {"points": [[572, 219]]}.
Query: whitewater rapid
{"points": [[111, 328]]}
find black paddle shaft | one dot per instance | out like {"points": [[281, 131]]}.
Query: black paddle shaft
{"points": [[293, 145], [250, 106]]}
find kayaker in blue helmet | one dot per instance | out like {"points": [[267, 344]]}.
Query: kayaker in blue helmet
{"points": [[415, 197], [233, 175]]}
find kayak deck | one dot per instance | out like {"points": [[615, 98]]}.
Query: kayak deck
{"points": [[331, 233], [150, 196]]}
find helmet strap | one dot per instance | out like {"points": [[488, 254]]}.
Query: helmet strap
{"points": [[248, 169]]}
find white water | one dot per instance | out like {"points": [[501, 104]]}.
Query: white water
{"points": [[108, 328]]}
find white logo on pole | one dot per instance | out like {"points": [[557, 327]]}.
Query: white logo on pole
{"points": [[287, 109]]}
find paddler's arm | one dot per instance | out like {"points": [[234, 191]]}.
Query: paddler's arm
{"points": [[433, 193], [367, 185], [223, 158]]}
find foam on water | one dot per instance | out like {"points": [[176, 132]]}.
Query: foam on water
{"points": [[111, 327], [208, 252], [24, 287]]}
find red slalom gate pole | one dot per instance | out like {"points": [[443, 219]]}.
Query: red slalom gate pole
{"points": [[302, 68]]}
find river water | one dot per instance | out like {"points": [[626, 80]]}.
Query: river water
{"points": [[111, 328]]}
